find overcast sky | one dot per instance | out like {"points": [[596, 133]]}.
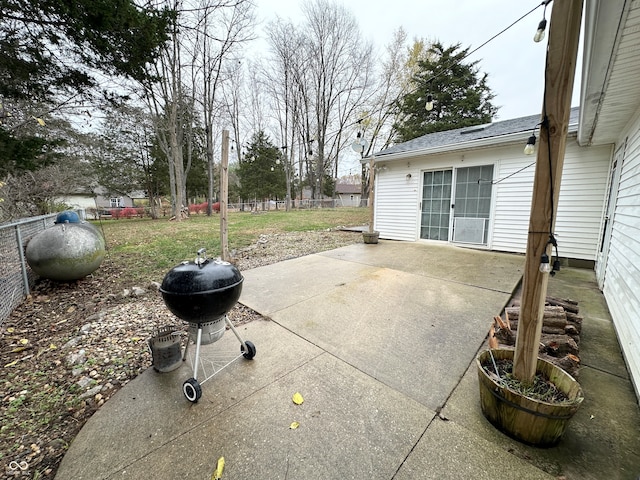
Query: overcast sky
{"points": [[514, 62]]}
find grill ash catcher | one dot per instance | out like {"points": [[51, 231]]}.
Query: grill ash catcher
{"points": [[201, 293]]}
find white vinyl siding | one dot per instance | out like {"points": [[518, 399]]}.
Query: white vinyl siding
{"points": [[396, 204], [513, 202], [622, 277], [581, 201], [579, 215]]}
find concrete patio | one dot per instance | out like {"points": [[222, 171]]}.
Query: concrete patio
{"points": [[380, 340]]}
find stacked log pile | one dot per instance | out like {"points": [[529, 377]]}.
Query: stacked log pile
{"points": [[560, 338]]}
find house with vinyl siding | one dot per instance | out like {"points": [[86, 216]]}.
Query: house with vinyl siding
{"points": [[610, 116], [473, 186]]}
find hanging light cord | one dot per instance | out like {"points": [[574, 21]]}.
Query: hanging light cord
{"points": [[456, 62], [552, 239]]}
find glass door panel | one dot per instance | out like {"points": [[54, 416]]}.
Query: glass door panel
{"points": [[436, 205]]}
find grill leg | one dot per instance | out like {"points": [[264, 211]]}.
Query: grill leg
{"points": [[233, 329], [186, 348], [196, 360]]}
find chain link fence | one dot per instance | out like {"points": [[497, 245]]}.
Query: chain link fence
{"points": [[296, 204], [16, 278]]}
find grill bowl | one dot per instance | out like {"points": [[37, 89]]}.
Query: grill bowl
{"points": [[201, 292]]}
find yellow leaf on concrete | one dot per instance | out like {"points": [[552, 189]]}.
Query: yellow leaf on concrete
{"points": [[294, 425], [217, 474], [24, 341], [11, 364], [297, 398]]}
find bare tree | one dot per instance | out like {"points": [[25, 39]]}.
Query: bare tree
{"points": [[339, 66], [379, 113], [125, 163], [284, 80], [317, 78], [204, 35], [222, 27], [164, 94]]}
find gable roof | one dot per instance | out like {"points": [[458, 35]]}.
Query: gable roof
{"points": [[348, 188], [489, 134]]}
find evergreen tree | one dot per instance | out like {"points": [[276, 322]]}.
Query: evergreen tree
{"points": [[52, 45], [261, 172], [51, 48], [461, 96]]}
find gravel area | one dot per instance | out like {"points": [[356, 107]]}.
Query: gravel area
{"points": [[70, 346]]}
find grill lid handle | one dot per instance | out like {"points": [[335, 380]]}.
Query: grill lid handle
{"points": [[201, 259]]}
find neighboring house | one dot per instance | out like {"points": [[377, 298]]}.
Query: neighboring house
{"points": [[348, 194], [473, 186], [99, 200]]}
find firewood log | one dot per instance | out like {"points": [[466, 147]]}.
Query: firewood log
{"points": [[566, 303], [569, 363], [558, 345], [575, 320], [554, 317]]}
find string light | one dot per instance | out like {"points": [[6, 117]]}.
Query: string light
{"points": [[539, 35], [545, 266], [542, 26], [530, 147], [360, 144], [429, 105]]}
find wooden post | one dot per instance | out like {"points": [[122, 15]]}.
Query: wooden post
{"points": [[224, 196], [564, 32], [372, 170]]}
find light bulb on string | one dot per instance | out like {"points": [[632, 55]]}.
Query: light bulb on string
{"points": [[539, 35], [429, 105], [530, 147], [545, 266]]}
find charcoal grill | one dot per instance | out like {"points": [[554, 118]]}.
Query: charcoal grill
{"points": [[201, 293]]}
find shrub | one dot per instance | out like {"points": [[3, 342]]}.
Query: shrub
{"points": [[129, 212], [115, 213], [202, 207]]}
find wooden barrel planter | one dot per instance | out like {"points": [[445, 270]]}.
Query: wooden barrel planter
{"points": [[530, 421]]}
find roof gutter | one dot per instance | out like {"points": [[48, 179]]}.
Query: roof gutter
{"points": [[601, 40], [502, 140]]}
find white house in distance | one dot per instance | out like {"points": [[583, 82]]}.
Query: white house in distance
{"points": [[348, 193], [473, 186]]}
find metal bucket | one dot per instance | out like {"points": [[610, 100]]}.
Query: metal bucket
{"points": [[166, 349]]}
